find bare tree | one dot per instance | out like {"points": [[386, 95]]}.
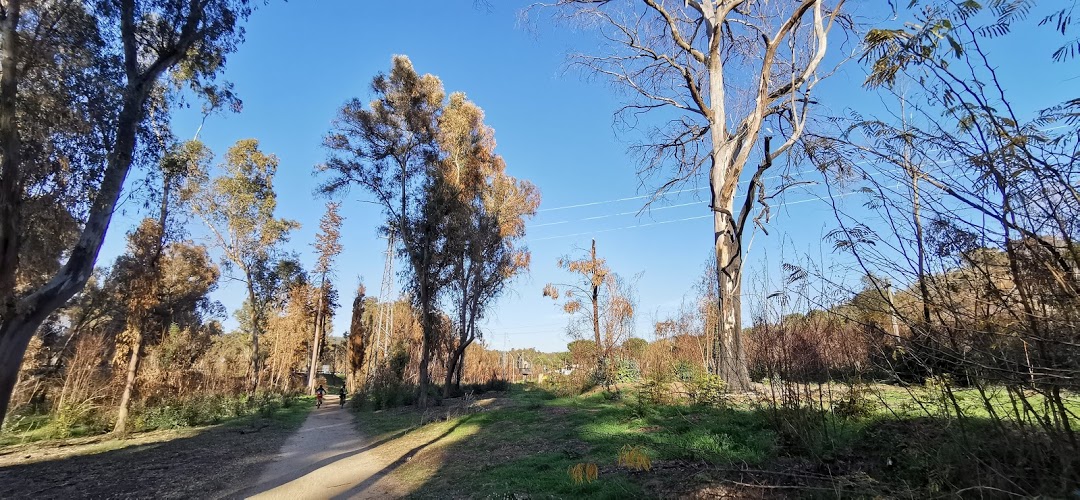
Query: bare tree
{"points": [[598, 298], [731, 66], [973, 220]]}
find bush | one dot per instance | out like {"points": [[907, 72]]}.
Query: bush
{"points": [[706, 390], [76, 420], [388, 395], [653, 392], [493, 384], [627, 370], [853, 405], [568, 385], [207, 409], [684, 371]]}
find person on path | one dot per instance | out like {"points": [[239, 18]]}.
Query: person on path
{"points": [[341, 396], [319, 395]]}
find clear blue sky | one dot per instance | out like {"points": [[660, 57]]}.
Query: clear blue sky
{"points": [[303, 60]]}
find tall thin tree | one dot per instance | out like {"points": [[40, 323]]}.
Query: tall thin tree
{"points": [[328, 244]]}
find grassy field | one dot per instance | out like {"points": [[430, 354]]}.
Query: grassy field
{"points": [[194, 462], [523, 442]]}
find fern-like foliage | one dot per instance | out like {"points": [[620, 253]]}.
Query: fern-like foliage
{"points": [[634, 458], [583, 473]]}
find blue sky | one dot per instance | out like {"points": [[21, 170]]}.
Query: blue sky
{"points": [[302, 60]]}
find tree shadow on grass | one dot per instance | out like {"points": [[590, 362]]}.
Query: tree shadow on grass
{"points": [[214, 463], [526, 448]]}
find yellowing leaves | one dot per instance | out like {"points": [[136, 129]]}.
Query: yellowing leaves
{"points": [[583, 473]]}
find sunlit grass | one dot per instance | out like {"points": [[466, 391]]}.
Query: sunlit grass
{"points": [[527, 446]]}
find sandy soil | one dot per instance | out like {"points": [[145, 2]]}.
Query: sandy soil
{"points": [[327, 458]]}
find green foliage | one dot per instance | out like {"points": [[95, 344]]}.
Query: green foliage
{"points": [[207, 410], [684, 371], [73, 420], [654, 392], [706, 390], [854, 405], [568, 385], [385, 394], [627, 370]]}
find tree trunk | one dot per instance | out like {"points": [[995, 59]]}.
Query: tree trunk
{"points": [[728, 350], [459, 372], [596, 313], [15, 335], [255, 319], [425, 362], [454, 367], [315, 338], [18, 327], [129, 385], [10, 149]]}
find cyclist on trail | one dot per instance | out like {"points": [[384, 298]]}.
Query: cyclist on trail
{"points": [[319, 395], [341, 396]]}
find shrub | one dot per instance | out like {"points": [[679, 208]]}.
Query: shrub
{"points": [[627, 370], [853, 405], [583, 472], [653, 392], [684, 371], [388, 395], [568, 385], [75, 420], [206, 409], [634, 458], [706, 390]]}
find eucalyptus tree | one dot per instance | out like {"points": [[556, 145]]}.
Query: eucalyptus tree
{"points": [[146, 246], [389, 148], [75, 85], [238, 209], [159, 285], [488, 223], [729, 69], [328, 244]]}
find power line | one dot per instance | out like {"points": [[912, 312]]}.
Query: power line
{"points": [[649, 224], [872, 174], [596, 217], [639, 197]]}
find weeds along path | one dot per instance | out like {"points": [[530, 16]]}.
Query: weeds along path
{"points": [[327, 458]]}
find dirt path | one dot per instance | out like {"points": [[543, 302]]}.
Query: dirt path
{"points": [[327, 458]]}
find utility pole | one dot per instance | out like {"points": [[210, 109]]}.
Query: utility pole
{"points": [[385, 322]]}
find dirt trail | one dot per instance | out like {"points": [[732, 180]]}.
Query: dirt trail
{"points": [[327, 458]]}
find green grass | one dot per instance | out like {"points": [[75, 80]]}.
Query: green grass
{"points": [[200, 412], [526, 445]]}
